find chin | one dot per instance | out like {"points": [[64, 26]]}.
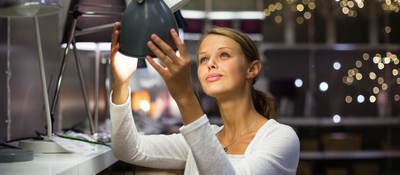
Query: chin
{"points": [[213, 92], [214, 89]]}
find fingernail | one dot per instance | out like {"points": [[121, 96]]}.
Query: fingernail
{"points": [[149, 43], [173, 31]]}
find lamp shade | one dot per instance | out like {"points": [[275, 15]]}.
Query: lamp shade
{"points": [[28, 8], [140, 19]]}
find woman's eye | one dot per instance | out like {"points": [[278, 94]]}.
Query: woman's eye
{"points": [[225, 55], [203, 59]]}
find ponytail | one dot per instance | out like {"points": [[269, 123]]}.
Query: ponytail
{"points": [[264, 103]]}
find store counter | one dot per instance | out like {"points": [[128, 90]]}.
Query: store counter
{"points": [[62, 163]]}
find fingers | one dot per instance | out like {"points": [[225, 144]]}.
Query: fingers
{"points": [[178, 42], [115, 33], [114, 37], [161, 70], [160, 48], [164, 51]]}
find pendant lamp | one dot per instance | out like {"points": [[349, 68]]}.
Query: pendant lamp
{"points": [[140, 19]]}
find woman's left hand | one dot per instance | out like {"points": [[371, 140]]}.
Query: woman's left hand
{"points": [[175, 68]]}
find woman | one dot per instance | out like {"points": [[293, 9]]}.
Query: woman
{"points": [[249, 142]]}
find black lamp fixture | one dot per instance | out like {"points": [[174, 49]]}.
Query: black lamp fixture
{"points": [[142, 18]]}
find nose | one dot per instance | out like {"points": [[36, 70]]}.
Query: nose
{"points": [[212, 63]]}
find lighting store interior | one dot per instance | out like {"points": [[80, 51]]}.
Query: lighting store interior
{"points": [[332, 67]]}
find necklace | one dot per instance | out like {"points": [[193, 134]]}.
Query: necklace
{"points": [[240, 135]]}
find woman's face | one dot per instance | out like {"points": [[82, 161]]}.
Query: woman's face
{"points": [[222, 65]]}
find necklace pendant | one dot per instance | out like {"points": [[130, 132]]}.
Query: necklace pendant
{"points": [[226, 149]]}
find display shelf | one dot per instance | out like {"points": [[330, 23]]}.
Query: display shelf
{"points": [[334, 155], [344, 121]]}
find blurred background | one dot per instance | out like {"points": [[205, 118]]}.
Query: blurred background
{"points": [[332, 66]]}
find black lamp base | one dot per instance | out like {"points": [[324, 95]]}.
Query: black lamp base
{"points": [[141, 63]]}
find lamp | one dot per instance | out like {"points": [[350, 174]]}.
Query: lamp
{"points": [[142, 18], [35, 9]]}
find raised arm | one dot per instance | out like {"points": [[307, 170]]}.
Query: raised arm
{"points": [[176, 74], [122, 69], [158, 151]]}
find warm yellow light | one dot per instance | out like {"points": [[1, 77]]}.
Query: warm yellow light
{"points": [[360, 3], [388, 29], [300, 20], [380, 80], [350, 4], [312, 5], [359, 76], [366, 56], [376, 59], [385, 86], [381, 66], [267, 12], [141, 100], [350, 80], [375, 90], [358, 64], [351, 72], [271, 8], [396, 97], [343, 3], [300, 7], [278, 19], [278, 6], [348, 99], [372, 75], [353, 13], [395, 72], [345, 10], [372, 99], [386, 60]]}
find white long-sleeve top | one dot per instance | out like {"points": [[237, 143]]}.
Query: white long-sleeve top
{"points": [[274, 149]]}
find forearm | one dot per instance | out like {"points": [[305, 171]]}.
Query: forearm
{"points": [[121, 93], [208, 153], [189, 108], [158, 151]]}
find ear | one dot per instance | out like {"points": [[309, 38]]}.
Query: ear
{"points": [[254, 69]]}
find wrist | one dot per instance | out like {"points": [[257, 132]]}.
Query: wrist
{"points": [[120, 94]]}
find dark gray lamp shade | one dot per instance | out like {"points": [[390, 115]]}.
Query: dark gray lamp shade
{"points": [[142, 18]]}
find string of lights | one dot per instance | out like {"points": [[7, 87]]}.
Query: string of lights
{"points": [[378, 75]]}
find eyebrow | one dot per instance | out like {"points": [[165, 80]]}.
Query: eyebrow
{"points": [[217, 49]]}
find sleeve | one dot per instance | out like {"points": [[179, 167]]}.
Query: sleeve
{"points": [[209, 156], [155, 151]]}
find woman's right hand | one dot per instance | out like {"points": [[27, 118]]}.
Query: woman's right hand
{"points": [[122, 68]]}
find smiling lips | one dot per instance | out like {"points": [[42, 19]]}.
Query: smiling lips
{"points": [[213, 77]]}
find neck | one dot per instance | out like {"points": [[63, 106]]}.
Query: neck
{"points": [[237, 115]]}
